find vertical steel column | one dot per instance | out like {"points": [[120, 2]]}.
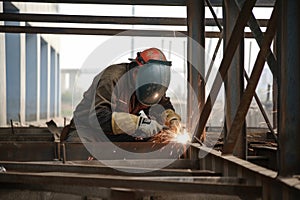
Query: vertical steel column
{"points": [[58, 88], [22, 75], [275, 85], [44, 101], [15, 70], [289, 89], [2, 75], [31, 77], [234, 83], [53, 83], [195, 53]]}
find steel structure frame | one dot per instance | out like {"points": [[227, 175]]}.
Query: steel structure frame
{"points": [[284, 70]]}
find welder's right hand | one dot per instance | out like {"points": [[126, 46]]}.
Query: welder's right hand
{"points": [[148, 126], [134, 125]]}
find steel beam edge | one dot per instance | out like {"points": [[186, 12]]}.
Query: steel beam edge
{"points": [[251, 172], [218, 3], [139, 183]]}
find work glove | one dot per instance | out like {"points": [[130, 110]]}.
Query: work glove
{"points": [[149, 127], [172, 120], [124, 123], [134, 125]]}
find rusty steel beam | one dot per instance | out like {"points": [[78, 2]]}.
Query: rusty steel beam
{"points": [[19, 137], [89, 31], [9, 189], [254, 25], [260, 3], [88, 19], [258, 34], [27, 151], [25, 134], [196, 60], [20, 151], [112, 2], [177, 168], [137, 183], [262, 110], [273, 186], [234, 81], [234, 40], [240, 116], [289, 89], [95, 31], [24, 131], [214, 14], [219, 25], [211, 64]]}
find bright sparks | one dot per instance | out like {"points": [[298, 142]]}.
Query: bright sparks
{"points": [[183, 138]]}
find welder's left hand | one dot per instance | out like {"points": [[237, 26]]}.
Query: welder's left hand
{"points": [[172, 120]]}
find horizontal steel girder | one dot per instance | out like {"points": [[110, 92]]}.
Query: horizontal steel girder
{"points": [[221, 186], [47, 151], [177, 168], [263, 3], [87, 19], [98, 31]]}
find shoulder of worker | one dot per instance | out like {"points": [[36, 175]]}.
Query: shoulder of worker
{"points": [[112, 72], [117, 69]]}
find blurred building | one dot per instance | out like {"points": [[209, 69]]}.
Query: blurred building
{"points": [[29, 69]]}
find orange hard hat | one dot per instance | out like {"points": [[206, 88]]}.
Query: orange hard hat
{"points": [[150, 54]]}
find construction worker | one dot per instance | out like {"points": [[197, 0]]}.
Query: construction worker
{"points": [[127, 101]]}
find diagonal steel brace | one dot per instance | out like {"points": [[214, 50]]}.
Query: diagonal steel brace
{"points": [[236, 36], [247, 96]]}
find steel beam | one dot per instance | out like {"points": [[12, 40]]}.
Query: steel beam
{"points": [[218, 24], [273, 186], [234, 82], [289, 89], [234, 40], [113, 2], [262, 3], [196, 59], [90, 31], [261, 108], [255, 28], [177, 168], [258, 35], [95, 31], [19, 151], [3, 119], [136, 183], [87, 19], [243, 107]]}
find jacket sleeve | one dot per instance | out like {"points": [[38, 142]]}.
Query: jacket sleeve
{"points": [[104, 99]]}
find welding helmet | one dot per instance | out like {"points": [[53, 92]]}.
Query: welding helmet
{"points": [[153, 76]]}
